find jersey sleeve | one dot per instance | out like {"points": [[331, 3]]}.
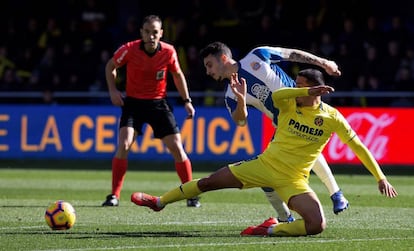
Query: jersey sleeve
{"points": [[349, 137], [284, 98], [120, 56], [269, 54], [174, 64], [344, 129], [288, 93], [365, 156]]}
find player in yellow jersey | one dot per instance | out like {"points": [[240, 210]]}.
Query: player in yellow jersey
{"points": [[263, 74], [305, 126]]}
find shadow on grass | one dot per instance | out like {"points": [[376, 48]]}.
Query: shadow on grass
{"points": [[158, 165], [43, 206], [108, 235]]}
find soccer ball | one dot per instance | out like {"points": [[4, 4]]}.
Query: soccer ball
{"points": [[60, 215]]}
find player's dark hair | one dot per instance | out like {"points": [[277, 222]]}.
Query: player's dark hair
{"points": [[152, 18], [216, 49], [314, 77]]}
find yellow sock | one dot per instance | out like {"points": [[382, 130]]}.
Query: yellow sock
{"points": [[185, 191], [296, 228]]}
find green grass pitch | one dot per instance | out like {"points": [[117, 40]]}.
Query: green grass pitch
{"points": [[372, 222]]}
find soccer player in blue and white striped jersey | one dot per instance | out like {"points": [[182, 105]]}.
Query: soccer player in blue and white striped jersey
{"points": [[263, 76]]}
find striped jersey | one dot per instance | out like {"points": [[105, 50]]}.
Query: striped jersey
{"points": [[263, 76]]}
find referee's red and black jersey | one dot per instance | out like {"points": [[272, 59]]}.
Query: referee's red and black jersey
{"points": [[146, 75]]}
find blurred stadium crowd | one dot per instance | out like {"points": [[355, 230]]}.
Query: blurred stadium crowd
{"points": [[50, 46]]}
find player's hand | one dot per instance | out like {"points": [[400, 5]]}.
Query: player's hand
{"points": [[117, 98], [190, 110], [320, 90], [387, 189], [238, 87], [331, 68]]}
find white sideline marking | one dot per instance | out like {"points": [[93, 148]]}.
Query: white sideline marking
{"points": [[272, 240]]}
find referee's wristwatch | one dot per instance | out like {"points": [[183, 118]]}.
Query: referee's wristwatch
{"points": [[187, 100]]}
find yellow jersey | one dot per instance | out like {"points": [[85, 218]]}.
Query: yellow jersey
{"points": [[303, 132]]}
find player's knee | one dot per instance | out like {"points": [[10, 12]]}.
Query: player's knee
{"points": [[315, 226]]}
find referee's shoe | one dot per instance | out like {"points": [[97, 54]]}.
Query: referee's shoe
{"points": [[111, 201]]}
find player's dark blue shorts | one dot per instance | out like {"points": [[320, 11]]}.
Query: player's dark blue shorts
{"points": [[155, 112]]}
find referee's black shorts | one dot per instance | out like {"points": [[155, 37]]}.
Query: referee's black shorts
{"points": [[155, 112]]}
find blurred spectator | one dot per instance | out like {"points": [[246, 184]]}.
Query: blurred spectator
{"points": [[5, 61], [310, 31], [51, 36], [351, 37], [375, 84], [47, 72], [92, 11], [408, 60], [364, 38], [403, 80], [69, 69], [73, 35], [348, 66], [390, 62], [371, 36], [265, 32], [25, 64], [29, 37], [368, 83], [98, 37], [370, 64], [197, 82], [327, 47], [227, 22], [100, 81], [395, 30], [130, 32], [201, 36], [9, 80], [90, 57]]}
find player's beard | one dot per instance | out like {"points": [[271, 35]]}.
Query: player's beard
{"points": [[150, 46], [220, 78]]}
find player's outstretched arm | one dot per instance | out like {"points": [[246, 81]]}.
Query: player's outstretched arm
{"points": [[320, 90], [363, 154], [296, 55], [287, 92]]}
